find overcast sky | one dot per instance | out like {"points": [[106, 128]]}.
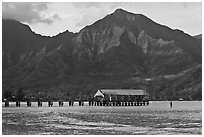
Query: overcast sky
{"points": [[53, 18]]}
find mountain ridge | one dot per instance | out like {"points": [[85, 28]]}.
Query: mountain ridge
{"points": [[199, 36]]}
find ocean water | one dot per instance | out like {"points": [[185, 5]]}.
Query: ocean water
{"points": [[185, 117]]}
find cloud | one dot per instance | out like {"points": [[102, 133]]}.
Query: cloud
{"points": [[95, 11], [28, 12], [87, 5], [88, 18]]}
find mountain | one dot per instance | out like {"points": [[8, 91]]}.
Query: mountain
{"points": [[31, 57], [122, 50], [198, 36], [17, 39]]}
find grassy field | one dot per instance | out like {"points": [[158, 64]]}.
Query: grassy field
{"points": [[157, 118]]}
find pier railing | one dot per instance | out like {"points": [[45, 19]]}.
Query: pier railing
{"points": [[75, 103]]}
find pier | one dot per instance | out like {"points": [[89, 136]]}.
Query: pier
{"points": [[102, 97]]}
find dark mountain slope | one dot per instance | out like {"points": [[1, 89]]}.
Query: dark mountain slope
{"points": [[18, 42], [29, 59], [184, 85], [198, 36]]}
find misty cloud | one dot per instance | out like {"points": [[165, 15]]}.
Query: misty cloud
{"points": [[28, 12], [95, 11]]}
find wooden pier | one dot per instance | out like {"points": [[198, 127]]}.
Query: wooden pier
{"points": [[103, 97], [75, 103]]}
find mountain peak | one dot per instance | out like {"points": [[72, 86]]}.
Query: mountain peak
{"points": [[121, 11]]}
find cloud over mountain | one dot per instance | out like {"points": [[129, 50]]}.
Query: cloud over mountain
{"points": [[29, 12]]}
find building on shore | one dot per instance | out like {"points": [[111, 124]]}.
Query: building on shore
{"points": [[120, 97]]}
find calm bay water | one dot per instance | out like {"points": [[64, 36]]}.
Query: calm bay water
{"points": [[158, 118]]}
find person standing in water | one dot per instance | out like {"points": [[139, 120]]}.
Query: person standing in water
{"points": [[171, 104]]}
